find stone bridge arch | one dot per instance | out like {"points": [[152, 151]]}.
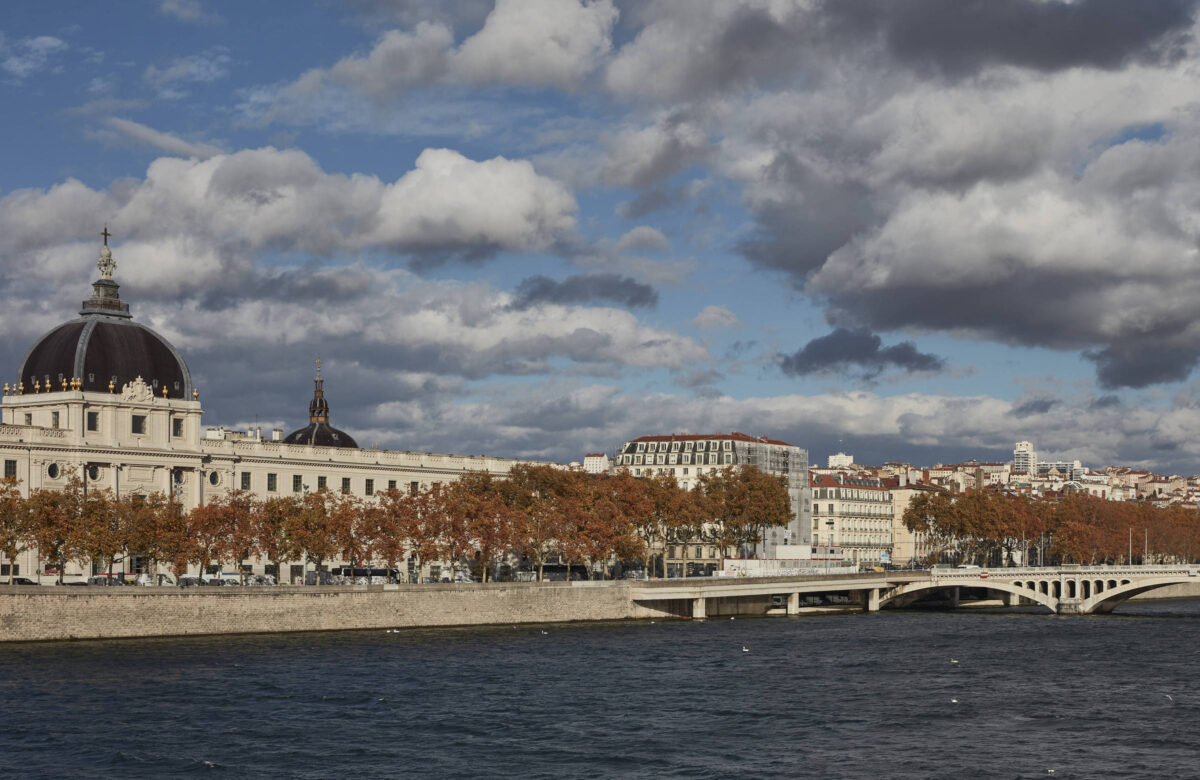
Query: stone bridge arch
{"points": [[913, 588], [1106, 600]]}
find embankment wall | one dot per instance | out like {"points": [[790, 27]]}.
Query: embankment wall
{"points": [[45, 613]]}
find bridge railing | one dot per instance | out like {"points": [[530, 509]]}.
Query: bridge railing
{"points": [[1018, 572]]}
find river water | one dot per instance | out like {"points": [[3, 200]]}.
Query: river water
{"points": [[830, 696]]}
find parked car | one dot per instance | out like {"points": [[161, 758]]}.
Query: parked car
{"points": [[104, 579], [187, 582], [19, 581], [158, 579]]}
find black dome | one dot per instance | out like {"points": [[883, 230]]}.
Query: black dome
{"points": [[321, 434], [104, 348], [98, 349]]}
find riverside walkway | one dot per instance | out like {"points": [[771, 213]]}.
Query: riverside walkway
{"points": [[1074, 590]]}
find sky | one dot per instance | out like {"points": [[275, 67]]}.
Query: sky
{"points": [[911, 230]]}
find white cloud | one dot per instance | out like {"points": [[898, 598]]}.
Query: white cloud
{"points": [[448, 199], [265, 198], [536, 42], [643, 237], [190, 11], [27, 56], [522, 42], [164, 141], [202, 68], [716, 317]]}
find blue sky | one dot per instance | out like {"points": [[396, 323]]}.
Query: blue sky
{"points": [[915, 230]]}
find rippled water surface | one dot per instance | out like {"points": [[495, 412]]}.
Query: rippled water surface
{"points": [[817, 696]]}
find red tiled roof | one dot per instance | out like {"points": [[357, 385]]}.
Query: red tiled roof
{"points": [[595, 455]]}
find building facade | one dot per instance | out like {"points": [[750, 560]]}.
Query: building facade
{"points": [[688, 456], [852, 518], [107, 398]]}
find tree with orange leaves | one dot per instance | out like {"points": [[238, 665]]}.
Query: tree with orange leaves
{"points": [[14, 524]]}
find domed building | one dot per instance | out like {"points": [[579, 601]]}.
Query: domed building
{"points": [[319, 432], [107, 398]]}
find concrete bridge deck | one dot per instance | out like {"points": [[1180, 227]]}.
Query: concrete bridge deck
{"points": [[1077, 590]]}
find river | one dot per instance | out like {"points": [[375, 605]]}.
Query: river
{"points": [[897, 694]]}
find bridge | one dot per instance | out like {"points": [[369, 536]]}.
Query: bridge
{"points": [[1068, 590]]}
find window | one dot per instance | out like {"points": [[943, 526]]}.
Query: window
{"points": [[138, 427], [674, 446], [345, 484], [674, 459], [687, 446], [370, 488], [391, 484], [272, 483], [414, 488], [662, 459], [28, 419], [297, 483], [93, 473], [93, 421], [728, 458], [52, 471], [700, 446], [685, 472], [640, 448], [214, 478], [10, 469], [712, 458], [177, 427], [699, 552], [727, 445], [687, 458], [54, 419], [651, 447], [245, 480], [637, 460]]}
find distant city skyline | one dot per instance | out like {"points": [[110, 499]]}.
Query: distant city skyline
{"points": [[910, 230]]}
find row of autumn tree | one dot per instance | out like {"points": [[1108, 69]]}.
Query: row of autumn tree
{"points": [[981, 526], [538, 513]]}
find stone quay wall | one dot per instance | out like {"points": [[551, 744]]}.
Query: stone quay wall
{"points": [[64, 612]]}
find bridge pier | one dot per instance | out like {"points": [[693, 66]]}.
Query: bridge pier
{"points": [[793, 605], [698, 612], [871, 600], [1011, 599]]}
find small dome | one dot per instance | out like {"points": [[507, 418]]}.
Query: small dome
{"points": [[319, 432]]}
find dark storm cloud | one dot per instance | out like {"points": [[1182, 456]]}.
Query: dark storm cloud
{"points": [[1034, 406], [1056, 310], [844, 350], [647, 202], [796, 236], [959, 37], [1137, 363], [584, 288]]}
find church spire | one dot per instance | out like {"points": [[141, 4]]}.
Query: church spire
{"points": [[318, 408]]}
